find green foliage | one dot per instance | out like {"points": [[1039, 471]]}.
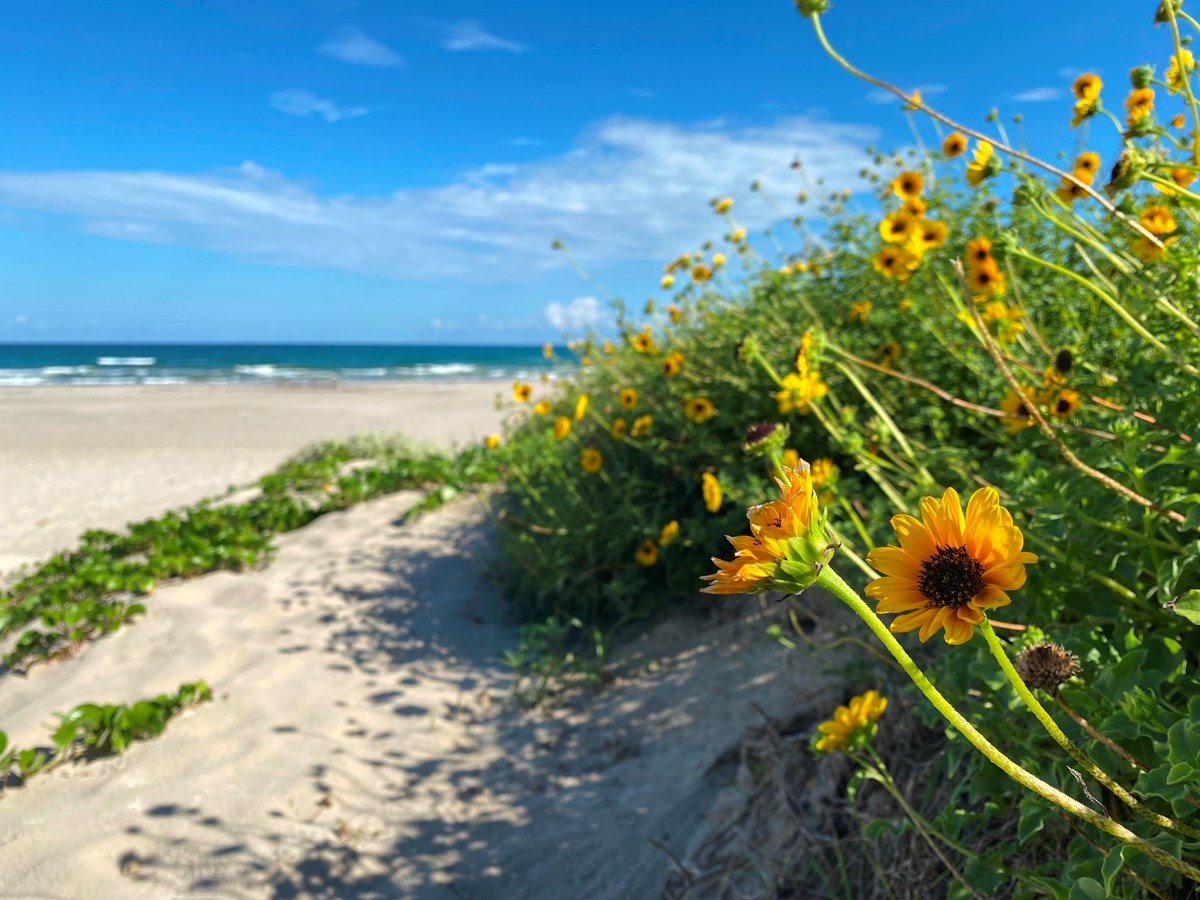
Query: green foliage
{"points": [[92, 730], [550, 653], [80, 594]]}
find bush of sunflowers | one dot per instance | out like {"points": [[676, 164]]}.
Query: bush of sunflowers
{"points": [[971, 409]]}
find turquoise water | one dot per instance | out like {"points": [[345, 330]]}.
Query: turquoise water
{"points": [[117, 364]]}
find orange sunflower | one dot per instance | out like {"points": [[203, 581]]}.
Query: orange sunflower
{"points": [[949, 568]]}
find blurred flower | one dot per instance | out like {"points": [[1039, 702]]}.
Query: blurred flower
{"points": [[908, 184], [949, 568], [521, 391], [492, 441], [643, 342], [669, 533], [647, 554], [581, 406], [608, 347], [954, 145], [699, 409], [929, 234], [1181, 64], [547, 350], [986, 280], [979, 253], [1148, 251], [667, 282], [675, 313], [897, 226], [853, 725], [628, 398], [542, 407], [1017, 407], [800, 388], [1087, 87], [718, 260], [983, 164], [710, 488], [701, 274], [859, 311], [562, 427], [889, 351], [591, 460], [641, 425], [790, 458], [618, 428], [1157, 220], [904, 305], [787, 545], [723, 205], [1086, 166], [822, 471], [1065, 404], [915, 207], [1139, 105], [738, 235], [1068, 191], [672, 363], [1177, 120], [895, 262]]}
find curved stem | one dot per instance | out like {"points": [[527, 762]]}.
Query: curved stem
{"points": [[832, 582], [1039, 711]]}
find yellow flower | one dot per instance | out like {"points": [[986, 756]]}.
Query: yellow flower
{"points": [[949, 568], [608, 347], [1139, 105], [542, 407], [852, 725], [591, 460], [799, 390], [986, 279], [1148, 251], [492, 441], [929, 234], [739, 235], [1177, 120], [904, 305], [718, 260], [1182, 176], [1068, 191], [641, 426], [669, 533], [979, 253], [895, 262], [675, 313], [859, 311], [581, 406], [896, 227], [710, 488], [982, 165], [521, 392], [647, 554], [618, 428], [723, 205], [701, 274], [643, 342], [1177, 72], [547, 350], [915, 207], [699, 409], [672, 364], [562, 427], [1065, 404], [790, 458], [907, 185], [822, 471], [585, 361], [1157, 220], [667, 282], [786, 547], [1017, 407], [628, 398], [913, 102], [954, 145], [1087, 87], [890, 352], [1086, 166]]}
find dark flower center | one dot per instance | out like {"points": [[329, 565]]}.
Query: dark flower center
{"points": [[1062, 407], [951, 577]]}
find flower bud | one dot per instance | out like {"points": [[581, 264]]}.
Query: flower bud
{"points": [[1140, 77]]}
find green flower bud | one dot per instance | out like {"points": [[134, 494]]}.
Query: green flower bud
{"points": [[1140, 77], [809, 8]]}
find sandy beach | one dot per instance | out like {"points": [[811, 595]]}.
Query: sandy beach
{"points": [[361, 742], [73, 458]]}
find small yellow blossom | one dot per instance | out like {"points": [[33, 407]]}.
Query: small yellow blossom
{"points": [[907, 185], [562, 427], [889, 351], [1017, 406], [852, 725], [896, 227], [647, 554], [1157, 220], [608, 347], [799, 390], [619, 427], [628, 398], [718, 260], [669, 533], [521, 391], [667, 282], [548, 350], [710, 488], [986, 280], [928, 235], [722, 205], [675, 313], [822, 470], [895, 262], [672, 363], [1181, 64], [790, 458], [738, 235], [542, 407], [1139, 105], [701, 274], [699, 409], [982, 165], [591, 460], [641, 426], [492, 441], [954, 145], [643, 342], [1087, 87], [859, 311], [581, 406], [904, 305], [1065, 404]]}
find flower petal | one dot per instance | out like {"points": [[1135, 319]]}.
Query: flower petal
{"points": [[894, 561], [1008, 576], [912, 620], [958, 631], [901, 601]]}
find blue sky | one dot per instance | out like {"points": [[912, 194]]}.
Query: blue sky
{"points": [[332, 170]]}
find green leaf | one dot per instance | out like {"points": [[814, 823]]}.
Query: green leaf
{"points": [[1088, 889], [1113, 864], [1186, 605]]}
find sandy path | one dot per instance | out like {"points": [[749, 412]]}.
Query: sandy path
{"points": [[360, 670], [74, 458]]}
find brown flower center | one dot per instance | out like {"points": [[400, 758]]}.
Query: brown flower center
{"points": [[951, 577]]}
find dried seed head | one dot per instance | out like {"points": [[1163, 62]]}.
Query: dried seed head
{"points": [[1063, 361], [1046, 665]]}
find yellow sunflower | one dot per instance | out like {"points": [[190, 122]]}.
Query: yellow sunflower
{"points": [[1017, 406], [672, 364], [799, 390], [643, 342], [986, 280], [1086, 166], [1068, 191], [581, 406], [669, 533], [859, 311], [701, 273], [1139, 105], [542, 407], [895, 262], [699, 409], [1177, 72], [647, 554], [1087, 86], [628, 398], [889, 352], [667, 282], [1157, 220], [521, 391], [954, 145], [949, 568], [822, 471], [907, 185], [562, 427], [1065, 404], [979, 253], [619, 427], [722, 205], [641, 426], [928, 235], [896, 227], [591, 460], [710, 488], [492, 441], [852, 725], [982, 165]]}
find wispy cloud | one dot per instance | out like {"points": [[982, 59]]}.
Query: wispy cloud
{"points": [[640, 93], [1038, 95], [353, 45], [306, 103], [631, 189], [571, 318], [880, 97], [471, 35], [524, 142]]}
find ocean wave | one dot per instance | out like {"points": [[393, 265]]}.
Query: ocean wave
{"points": [[437, 370], [59, 371], [126, 361], [15, 379], [378, 372]]}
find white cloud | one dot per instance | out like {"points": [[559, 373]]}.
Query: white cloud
{"points": [[577, 316], [353, 45], [640, 93], [631, 189], [1038, 95], [306, 103], [471, 35], [880, 97], [524, 142]]}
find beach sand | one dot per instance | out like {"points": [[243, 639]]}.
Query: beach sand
{"points": [[361, 742], [73, 458]]}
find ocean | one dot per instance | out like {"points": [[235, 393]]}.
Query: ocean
{"points": [[123, 364]]}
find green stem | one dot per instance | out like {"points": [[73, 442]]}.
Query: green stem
{"points": [[832, 582], [1066, 743]]}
